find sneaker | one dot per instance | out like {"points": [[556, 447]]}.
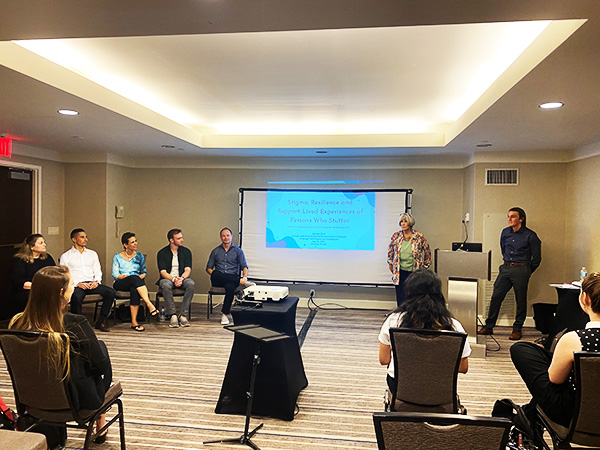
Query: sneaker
{"points": [[183, 322], [174, 323], [224, 320]]}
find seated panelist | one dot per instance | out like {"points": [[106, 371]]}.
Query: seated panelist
{"points": [[30, 258], [86, 272], [129, 271], [175, 266], [225, 264]]}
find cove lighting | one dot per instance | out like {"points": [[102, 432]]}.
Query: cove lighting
{"points": [[552, 105], [68, 112]]}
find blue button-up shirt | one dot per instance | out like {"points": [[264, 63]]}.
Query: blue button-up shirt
{"points": [[231, 261], [524, 246]]}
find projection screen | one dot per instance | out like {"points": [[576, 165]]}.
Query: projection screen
{"points": [[320, 236]]}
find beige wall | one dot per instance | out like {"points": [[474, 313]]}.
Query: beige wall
{"points": [[559, 199], [583, 211], [202, 201], [85, 205], [542, 194]]}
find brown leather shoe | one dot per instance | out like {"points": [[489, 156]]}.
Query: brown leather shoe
{"points": [[485, 331], [515, 335], [102, 327]]}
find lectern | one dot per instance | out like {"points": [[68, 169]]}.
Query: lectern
{"points": [[460, 272]]}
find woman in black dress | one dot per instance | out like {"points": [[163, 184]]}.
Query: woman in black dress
{"points": [[30, 258]]}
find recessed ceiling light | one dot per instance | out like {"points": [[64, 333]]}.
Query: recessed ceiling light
{"points": [[552, 105], [68, 112]]}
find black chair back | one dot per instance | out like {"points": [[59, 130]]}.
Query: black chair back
{"points": [[426, 366], [434, 431]]}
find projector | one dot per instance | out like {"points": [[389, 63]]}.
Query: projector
{"points": [[264, 293]]}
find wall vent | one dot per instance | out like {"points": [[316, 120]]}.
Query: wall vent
{"points": [[501, 177]]}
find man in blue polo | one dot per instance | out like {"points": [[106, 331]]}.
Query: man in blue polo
{"points": [[522, 254], [225, 264], [175, 266]]}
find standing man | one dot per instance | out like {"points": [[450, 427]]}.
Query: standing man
{"points": [[522, 254], [86, 272], [224, 266], [175, 266]]}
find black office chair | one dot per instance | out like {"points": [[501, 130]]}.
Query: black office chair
{"points": [[584, 428], [42, 394]]}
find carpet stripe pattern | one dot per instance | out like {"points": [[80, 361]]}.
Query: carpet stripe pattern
{"points": [[172, 378]]}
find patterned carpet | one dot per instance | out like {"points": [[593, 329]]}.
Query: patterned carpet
{"points": [[172, 379]]}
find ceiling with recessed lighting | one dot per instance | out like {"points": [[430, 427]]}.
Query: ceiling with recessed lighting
{"points": [[283, 78]]}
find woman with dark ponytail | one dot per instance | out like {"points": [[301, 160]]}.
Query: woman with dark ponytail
{"points": [[423, 308]]}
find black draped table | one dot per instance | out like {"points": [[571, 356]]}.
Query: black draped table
{"points": [[280, 375], [569, 314]]}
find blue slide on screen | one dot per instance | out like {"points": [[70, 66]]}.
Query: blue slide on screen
{"points": [[320, 220]]}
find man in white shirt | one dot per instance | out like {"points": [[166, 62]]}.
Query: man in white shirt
{"points": [[86, 272]]}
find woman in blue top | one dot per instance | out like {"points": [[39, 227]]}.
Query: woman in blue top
{"points": [[129, 271]]}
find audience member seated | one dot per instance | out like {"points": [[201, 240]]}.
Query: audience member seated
{"points": [[424, 307], [129, 271], [86, 272], [30, 258], [175, 266], [224, 266], [549, 377], [84, 358]]}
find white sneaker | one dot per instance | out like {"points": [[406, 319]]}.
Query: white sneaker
{"points": [[224, 320], [183, 322], [173, 322]]}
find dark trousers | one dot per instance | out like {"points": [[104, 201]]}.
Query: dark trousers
{"points": [[392, 385], [230, 282], [400, 286], [108, 296], [510, 277], [532, 363], [130, 283]]}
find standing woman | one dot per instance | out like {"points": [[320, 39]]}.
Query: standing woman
{"points": [[129, 271], [30, 258], [408, 251], [82, 357]]}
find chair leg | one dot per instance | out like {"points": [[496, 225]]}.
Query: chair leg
{"points": [[88, 435], [209, 306], [121, 423], [157, 306]]}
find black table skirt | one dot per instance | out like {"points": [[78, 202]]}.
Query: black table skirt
{"points": [[280, 375]]}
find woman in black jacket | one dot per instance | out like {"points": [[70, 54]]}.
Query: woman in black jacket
{"points": [[82, 357]]}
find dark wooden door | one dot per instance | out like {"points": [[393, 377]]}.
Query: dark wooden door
{"points": [[16, 222]]}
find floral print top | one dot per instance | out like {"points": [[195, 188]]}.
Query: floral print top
{"points": [[421, 253]]}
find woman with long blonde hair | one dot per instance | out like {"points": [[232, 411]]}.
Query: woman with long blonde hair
{"points": [[81, 357], [30, 258]]}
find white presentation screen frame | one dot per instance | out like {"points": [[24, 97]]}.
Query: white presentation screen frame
{"points": [[321, 265]]}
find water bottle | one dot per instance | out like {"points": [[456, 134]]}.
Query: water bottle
{"points": [[162, 314], [583, 273]]}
